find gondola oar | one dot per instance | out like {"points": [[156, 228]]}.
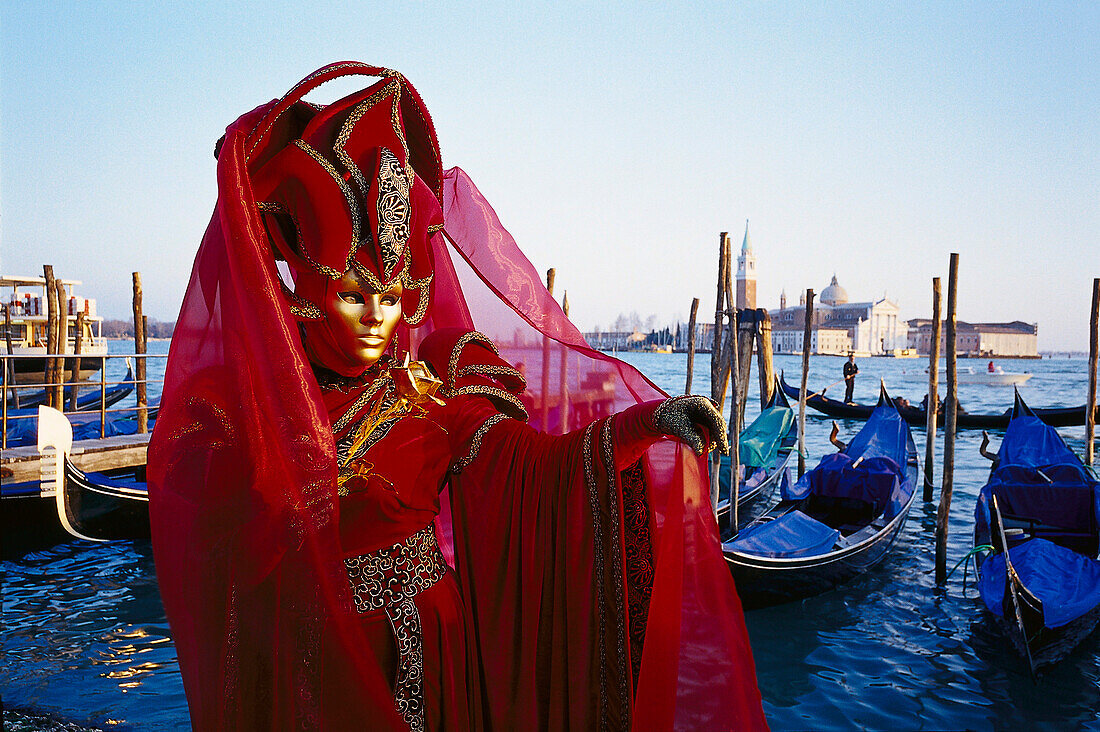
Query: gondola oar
{"points": [[1000, 543]]}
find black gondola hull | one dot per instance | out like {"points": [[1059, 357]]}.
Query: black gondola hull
{"points": [[98, 510], [1055, 417]]}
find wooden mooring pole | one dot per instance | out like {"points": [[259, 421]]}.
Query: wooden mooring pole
{"points": [[691, 344], [1094, 347], [950, 409], [737, 398], [74, 375], [764, 364], [802, 388], [50, 366], [933, 398], [62, 344], [717, 387], [9, 364], [139, 358], [746, 335]]}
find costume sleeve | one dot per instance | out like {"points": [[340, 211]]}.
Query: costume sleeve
{"points": [[569, 549]]}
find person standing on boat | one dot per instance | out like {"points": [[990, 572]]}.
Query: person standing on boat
{"points": [[850, 371]]}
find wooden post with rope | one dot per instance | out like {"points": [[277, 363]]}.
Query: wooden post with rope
{"points": [[932, 401], [806, 333], [950, 422]]}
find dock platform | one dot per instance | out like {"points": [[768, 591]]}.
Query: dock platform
{"points": [[23, 464]]}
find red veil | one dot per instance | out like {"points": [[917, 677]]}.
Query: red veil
{"points": [[243, 502]]}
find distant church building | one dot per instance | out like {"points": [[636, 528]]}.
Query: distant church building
{"points": [[746, 274], [839, 326]]}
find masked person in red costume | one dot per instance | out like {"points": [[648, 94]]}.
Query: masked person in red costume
{"points": [[359, 523]]}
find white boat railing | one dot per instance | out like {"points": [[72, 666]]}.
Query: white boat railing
{"points": [[12, 390]]}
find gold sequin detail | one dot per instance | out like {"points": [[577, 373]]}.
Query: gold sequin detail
{"points": [[475, 443]]}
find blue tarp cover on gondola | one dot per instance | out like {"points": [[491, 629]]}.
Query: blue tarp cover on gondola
{"points": [[23, 425], [793, 534], [885, 435], [878, 481], [1066, 582], [1030, 441], [761, 440]]}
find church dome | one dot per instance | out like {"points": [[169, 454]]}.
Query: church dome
{"points": [[834, 294]]}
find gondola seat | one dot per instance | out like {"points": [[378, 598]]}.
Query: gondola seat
{"points": [[1059, 503]]}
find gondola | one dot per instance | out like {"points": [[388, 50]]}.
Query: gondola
{"points": [[915, 415], [835, 522], [766, 447], [1043, 505], [89, 397], [92, 506]]}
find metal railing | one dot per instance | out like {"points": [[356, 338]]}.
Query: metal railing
{"points": [[14, 392]]}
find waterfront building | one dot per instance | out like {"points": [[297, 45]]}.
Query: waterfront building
{"points": [[839, 326], [1016, 339], [746, 274]]}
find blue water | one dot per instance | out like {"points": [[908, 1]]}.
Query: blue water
{"points": [[85, 640]]}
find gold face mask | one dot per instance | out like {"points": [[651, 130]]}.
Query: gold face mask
{"points": [[358, 326]]}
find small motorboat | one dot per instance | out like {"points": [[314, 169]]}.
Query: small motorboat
{"points": [[765, 449], [990, 377], [837, 521], [1040, 512]]}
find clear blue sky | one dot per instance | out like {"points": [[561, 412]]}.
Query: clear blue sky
{"points": [[615, 140]]}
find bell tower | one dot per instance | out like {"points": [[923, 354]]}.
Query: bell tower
{"points": [[746, 274]]}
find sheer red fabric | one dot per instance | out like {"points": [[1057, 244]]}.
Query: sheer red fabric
{"points": [[618, 608]]}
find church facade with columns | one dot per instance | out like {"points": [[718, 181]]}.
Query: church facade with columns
{"points": [[839, 326]]}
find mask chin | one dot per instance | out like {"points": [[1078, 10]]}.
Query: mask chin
{"points": [[321, 349]]}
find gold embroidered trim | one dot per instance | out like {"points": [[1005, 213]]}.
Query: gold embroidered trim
{"points": [[456, 353], [475, 443], [338, 147], [598, 568], [421, 285], [271, 207], [434, 228], [491, 370], [349, 196], [616, 569], [389, 579], [365, 397], [292, 92], [494, 392]]}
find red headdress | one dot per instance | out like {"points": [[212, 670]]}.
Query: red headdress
{"points": [[353, 186]]}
